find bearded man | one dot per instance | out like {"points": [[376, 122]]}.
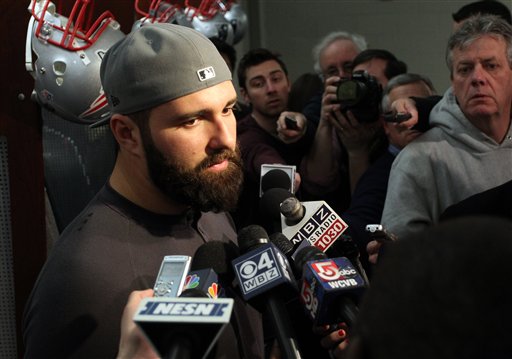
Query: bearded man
{"points": [[177, 172]]}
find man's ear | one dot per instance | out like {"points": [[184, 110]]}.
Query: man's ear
{"points": [[243, 92], [385, 125], [127, 134]]}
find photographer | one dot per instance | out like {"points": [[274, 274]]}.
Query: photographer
{"points": [[349, 134]]}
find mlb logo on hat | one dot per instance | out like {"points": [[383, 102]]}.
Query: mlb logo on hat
{"points": [[206, 73]]}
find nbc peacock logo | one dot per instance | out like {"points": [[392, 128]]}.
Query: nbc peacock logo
{"points": [[192, 281], [213, 291]]}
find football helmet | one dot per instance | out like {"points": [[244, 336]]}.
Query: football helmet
{"points": [[216, 26], [161, 11], [238, 20], [67, 68], [223, 19]]}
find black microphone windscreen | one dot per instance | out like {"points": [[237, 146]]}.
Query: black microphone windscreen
{"points": [[275, 179], [306, 254], [282, 243], [270, 203], [250, 237], [216, 255], [193, 293]]}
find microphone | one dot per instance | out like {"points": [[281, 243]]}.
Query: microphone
{"points": [[314, 222], [211, 272], [309, 346], [277, 176], [285, 246], [264, 277], [325, 225], [190, 325], [345, 246], [270, 203], [172, 324], [282, 243], [330, 287]]}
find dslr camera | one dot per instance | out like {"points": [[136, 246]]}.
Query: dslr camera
{"points": [[360, 94]]}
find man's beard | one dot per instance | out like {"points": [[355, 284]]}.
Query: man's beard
{"points": [[197, 187]]}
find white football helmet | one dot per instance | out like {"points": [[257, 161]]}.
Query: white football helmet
{"points": [[238, 20], [216, 26], [222, 19], [67, 68], [163, 12]]}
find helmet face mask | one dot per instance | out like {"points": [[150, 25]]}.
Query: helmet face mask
{"points": [[223, 19], [238, 20], [217, 26], [67, 68]]}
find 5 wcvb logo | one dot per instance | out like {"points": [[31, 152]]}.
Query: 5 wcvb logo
{"points": [[328, 270]]}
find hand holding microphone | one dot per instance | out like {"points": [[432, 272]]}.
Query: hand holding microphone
{"points": [[264, 276], [189, 326], [133, 344], [330, 287]]}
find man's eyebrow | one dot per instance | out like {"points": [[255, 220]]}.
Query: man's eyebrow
{"points": [[200, 113], [465, 62], [258, 77], [276, 71], [492, 58], [188, 116], [231, 102]]}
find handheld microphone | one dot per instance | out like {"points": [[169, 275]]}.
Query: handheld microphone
{"points": [[345, 246], [270, 203], [282, 243], [211, 272], [277, 176], [315, 222], [172, 324], [286, 247], [189, 326], [330, 287], [264, 276]]}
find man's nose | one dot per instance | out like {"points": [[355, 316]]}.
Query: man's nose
{"points": [[223, 133], [271, 87], [478, 76]]}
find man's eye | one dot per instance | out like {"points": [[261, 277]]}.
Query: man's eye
{"points": [[463, 70], [190, 122], [491, 66], [227, 110], [332, 72], [277, 78]]}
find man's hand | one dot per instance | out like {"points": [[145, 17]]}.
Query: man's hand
{"points": [[405, 105], [373, 249], [133, 344], [329, 98], [355, 136], [289, 135]]}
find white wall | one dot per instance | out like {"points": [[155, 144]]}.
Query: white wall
{"points": [[416, 31]]}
